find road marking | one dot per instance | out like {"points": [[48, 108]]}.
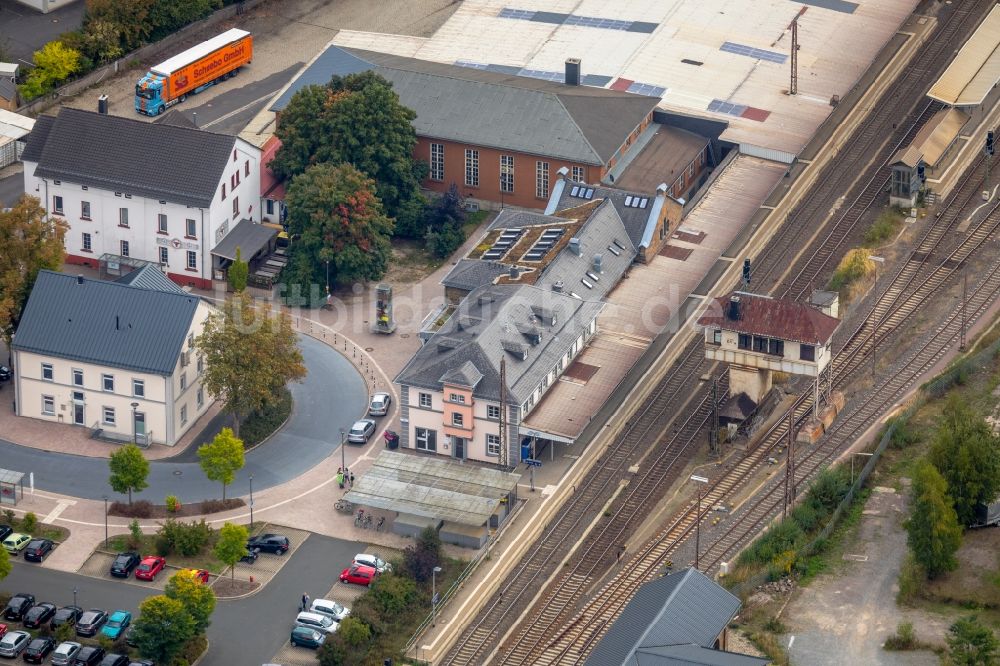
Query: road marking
{"points": [[240, 110], [54, 513], [791, 639]]}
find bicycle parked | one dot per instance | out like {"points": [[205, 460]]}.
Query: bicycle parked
{"points": [[345, 506]]}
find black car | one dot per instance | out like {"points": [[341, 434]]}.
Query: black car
{"points": [[5, 531], [124, 563], [39, 615], [112, 659], [251, 556], [91, 622], [18, 605], [5, 374], [38, 649], [66, 615], [129, 639], [89, 656], [271, 543], [37, 549]]}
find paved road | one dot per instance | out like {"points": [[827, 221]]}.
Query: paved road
{"points": [[11, 189], [23, 30], [245, 631], [331, 397]]}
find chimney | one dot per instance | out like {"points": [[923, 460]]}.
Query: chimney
{"points": [[563, 173], [102, 104], [574, 246], [79, 279], [194, 120], [598, 260], [734, 308], [661, 190], [572, 71], [514, 273], [557, 286]]}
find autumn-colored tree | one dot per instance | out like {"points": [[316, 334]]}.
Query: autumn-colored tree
{"points": [[221, 458], [336, 217], [30, 243], [54, 62], [250, 353], [933, 532], [197, 598], [5, 566]]}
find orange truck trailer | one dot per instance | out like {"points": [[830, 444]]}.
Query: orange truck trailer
{"points": [[192, 71]]}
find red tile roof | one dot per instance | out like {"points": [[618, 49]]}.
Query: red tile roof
{"points": [[771, 317], [271, 187]]}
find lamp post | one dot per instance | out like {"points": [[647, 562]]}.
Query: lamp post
{"points": [[74, 597], [251, 501], [105, 521], [343, 455], [701, 480], [328, 276], [135, 430], [434, 595], [876, 261]]}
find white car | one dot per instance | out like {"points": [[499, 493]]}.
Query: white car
{"points": [[65, 654], [14, 643], [331, 609], [379, 405], [316, 622], [361, 431], [373, 561]]}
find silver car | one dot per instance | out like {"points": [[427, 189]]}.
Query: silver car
{"points": [[316, 622], [65, 653], [361, 431], [379, 405], [372, 561], [14, 643], [331, 609]]}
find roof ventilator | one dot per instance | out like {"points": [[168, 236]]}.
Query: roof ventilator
{"points": [[734, 308]]}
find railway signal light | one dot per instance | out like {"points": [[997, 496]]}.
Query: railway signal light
{"points": [[989, 142], [921, 173], [746, 272]]}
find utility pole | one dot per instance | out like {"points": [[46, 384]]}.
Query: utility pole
{"points": [[965, 286], [874, 319], [988, 152], [713, 435], [789, 468], [701, 481], [503, 457], [793, 88]]}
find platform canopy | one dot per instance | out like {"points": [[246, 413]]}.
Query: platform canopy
{"points": [[433, 487], [976, 68]]}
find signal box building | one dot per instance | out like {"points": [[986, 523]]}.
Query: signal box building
{"points": [[758, 335]]}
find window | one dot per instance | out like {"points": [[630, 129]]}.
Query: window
{"points": [[48, 405], [506, 173], [164, 256], [108, 383], [717, 337], [57, 205], [128, 196], [77, 377], [437, 161], [455, 397], [691, 171], [577, 174], [123, 218], [201, 365], [184, 414], [744, 341], [223, 192], [47, 372], [84, 188], [426, 439], [190, 339], [184, 380], [108, 416], [85, 210], [807, 352], [201, 397], [161, 224], [472, 168], [124, 248], [192, 260], [542, 180], [776, 347], [246, 168], [191, 227], [457, 419], [234, 180], [492, 445], [760, 344], [138, 388], [236, 207], [86, 243], [234, 154], [493, 412], [269, 206], [424, 399]]}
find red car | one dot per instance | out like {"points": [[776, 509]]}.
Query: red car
{"points": [[199, 575], [149, 567], [3, 629], [358, 574]]}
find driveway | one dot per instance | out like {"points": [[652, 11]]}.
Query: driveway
{"points": [[11, 189], [24, 30], [313, 568], [331, 397]]}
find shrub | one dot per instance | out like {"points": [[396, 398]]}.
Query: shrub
{"points": [[138, 509], [903, 639], [217, 505], [261, 424], [187, 539], [883, 228], [29, 522], [912, 579], [852, 267], [8, 517], [775, 626], [135, 534], [421, 557], [354, 632], [393, 593], [173, 504], [162, 545], [65, 632]]}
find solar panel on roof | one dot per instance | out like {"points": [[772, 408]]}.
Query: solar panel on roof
{"points": [[751, 52], [647, 89], [722, 106], [573, 192]]}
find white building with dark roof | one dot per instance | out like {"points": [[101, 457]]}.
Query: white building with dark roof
{"points": [[112, 357], [154, 192]]}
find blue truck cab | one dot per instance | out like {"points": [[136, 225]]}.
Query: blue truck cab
{"points": [[149, 97]]}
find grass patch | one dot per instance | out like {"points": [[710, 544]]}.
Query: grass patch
{"points": [[28, 524], [261, 424], [903, 639], [472, 221], [854, 266], [884, 228], [769, 644]]}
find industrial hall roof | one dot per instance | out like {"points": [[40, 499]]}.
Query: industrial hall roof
{"points": [[432, 487], [492, 109], [128, 326], [976, 68], [771, 317], [176, 164]]}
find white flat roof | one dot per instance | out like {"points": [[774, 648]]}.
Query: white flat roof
{"points": [[726, 59], [14, 125], [199, 51], [976, 68]]}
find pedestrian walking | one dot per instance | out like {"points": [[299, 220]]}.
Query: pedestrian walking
{"points": [[340, 479], [350, 481], [305, 601]]}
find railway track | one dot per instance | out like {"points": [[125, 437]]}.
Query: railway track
{"points": [[511, 603]]}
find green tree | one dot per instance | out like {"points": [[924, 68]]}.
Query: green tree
{"points": [[354, 632], [238, 272], [54, 62], [250, 353], [129, 470], [967, 454], [337, 218], [167, 16], [444, 220], [130, 19], [231, 546], [5, 566], [222, 458], [933, 532], [162, 628], [197, 598], [971, 643], [30, 243], [422, 556], [357, 120]]}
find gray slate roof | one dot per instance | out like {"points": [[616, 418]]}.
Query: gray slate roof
{"points": [[635, 220], [249, 236], [36, 140], [105, 323], [686, 607], [575, 123], [492, 318], [693, 655], [471, 273], [159, 161], [152, 278]]}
